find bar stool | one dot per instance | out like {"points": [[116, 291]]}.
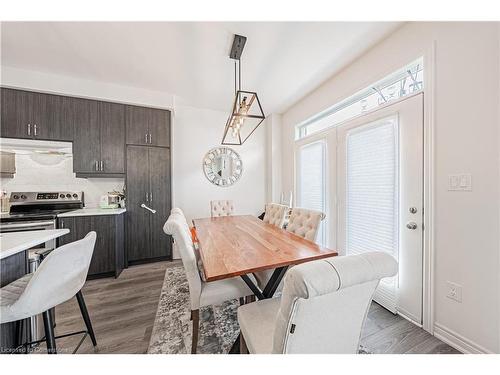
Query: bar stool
{"points": [[59, 277]]}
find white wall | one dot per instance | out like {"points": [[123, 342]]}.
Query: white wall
{"points": [[33, 174], [466, 141], [273, 127], [195, 132]]}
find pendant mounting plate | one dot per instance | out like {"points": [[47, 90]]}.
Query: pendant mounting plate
{"points": [[237, 47]]}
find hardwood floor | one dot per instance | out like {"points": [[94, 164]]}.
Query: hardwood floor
{"points": [[123, 311]]}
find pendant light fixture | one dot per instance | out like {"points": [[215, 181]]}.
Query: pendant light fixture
{"points": [[247, 113]]}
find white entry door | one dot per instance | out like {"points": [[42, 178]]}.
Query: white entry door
{"points": [[380, 197]]}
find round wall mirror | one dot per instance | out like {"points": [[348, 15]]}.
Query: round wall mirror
{"points": [[222, 166]]}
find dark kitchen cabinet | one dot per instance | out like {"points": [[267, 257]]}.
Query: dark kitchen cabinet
{"points": [[108, 258], [148, 126], [148, 183], [99, 145], [33, 115]]}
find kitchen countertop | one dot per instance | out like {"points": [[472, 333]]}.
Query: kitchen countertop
{"points": [[93, 212], [15, 242]]}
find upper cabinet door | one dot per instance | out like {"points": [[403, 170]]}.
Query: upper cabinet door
{"points": [[87, 145], [16, 114], [137, 120], [46, 117], [112, 123], [159, 127]]}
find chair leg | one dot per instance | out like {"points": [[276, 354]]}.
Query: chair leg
{"points": [[86, 317], [250, 299], [242, 301], [195, 316], [49, 332], [243, 345]]}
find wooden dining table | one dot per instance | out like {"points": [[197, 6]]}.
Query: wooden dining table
{"points": [[231, 246]]}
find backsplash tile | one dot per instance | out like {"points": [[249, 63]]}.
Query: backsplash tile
{"points": [[44, 172]]}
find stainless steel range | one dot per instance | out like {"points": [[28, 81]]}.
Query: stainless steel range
{"points": [[38, 210]]}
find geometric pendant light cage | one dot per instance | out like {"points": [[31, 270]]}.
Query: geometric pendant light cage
{"points": [[246, 111]]}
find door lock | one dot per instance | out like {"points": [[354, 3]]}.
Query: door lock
{"points": [[411, 225]]}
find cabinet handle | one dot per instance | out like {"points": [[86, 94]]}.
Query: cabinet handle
{"points": [[150, 196], [146, 137], [150, 138], [102, 165], [34, 128], [147, 197], [96, 165], [29, 129], [62, 223]]}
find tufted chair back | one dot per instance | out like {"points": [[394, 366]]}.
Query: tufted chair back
{"points": [[221, 208], [177, 227], [325, 302], [305, 223], [275, 214]]}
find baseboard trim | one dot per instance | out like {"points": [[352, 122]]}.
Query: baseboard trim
{"points": [[457, 341]]}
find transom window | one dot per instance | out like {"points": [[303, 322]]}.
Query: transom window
{"points": [[403, 82]]}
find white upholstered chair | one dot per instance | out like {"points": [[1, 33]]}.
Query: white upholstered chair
{"points": [[221, 208], [59, 277], [322, 308], [304, 223], [201, 293], [275, 214]]}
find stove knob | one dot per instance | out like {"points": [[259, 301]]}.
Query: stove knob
{"points": [[68, 195], [75, 196], [16, 197], [23, 196], [61, 196]]}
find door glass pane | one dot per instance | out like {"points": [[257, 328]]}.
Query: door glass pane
{"points": [[311, 181], [372, 204]]}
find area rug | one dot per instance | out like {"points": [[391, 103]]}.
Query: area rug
{"points": [[172, 327]]}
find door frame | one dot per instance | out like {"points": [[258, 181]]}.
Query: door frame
{"points": [[429, 183]]}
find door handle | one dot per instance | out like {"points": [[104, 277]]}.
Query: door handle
{"points": [[147, 208], [411, 225]]}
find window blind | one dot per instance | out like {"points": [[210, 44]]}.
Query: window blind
{"points": [[312, 181], [372, 201]]}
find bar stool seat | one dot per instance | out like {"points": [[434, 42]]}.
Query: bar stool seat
{"points": [[59, 278], [9, 294]]}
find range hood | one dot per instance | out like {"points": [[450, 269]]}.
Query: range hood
{"points": [[34, 146]]}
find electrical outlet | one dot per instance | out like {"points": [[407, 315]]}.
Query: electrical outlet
{"points": [[454, 291]]}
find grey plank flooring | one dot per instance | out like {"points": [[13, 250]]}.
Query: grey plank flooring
{"points": [[123, 311]]}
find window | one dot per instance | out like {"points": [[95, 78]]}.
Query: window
{"points": [[311, 182], [403, 82], [372, 199]]}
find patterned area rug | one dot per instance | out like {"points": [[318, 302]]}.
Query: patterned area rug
{"points": [[172, 328]]}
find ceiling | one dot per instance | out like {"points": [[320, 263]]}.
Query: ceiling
{"points": [[282, 61]]}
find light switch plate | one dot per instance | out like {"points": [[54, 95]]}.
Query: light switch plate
{"points": [[460, 182]]}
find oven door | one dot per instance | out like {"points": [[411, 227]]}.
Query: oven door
{"points": [[23, 226]]}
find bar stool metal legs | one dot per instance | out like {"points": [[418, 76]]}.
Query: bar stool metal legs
{"points": [[50, 338], [86, 318]]}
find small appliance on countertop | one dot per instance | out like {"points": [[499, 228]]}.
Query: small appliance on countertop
{"points": [[114, 199]]}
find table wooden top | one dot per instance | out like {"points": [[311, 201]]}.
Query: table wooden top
{"points": [[237, 245]]}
